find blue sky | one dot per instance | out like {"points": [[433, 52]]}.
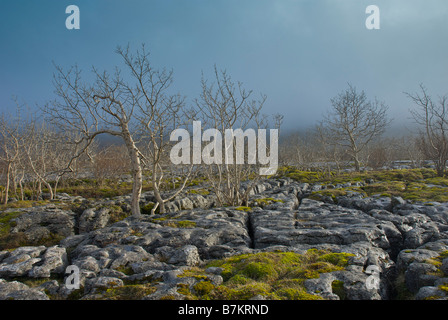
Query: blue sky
{"points": [[300, 53]]}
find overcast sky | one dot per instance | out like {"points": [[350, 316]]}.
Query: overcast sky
{"points": [[300, 53]]}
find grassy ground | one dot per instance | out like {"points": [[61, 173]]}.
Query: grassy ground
{"points": [[421, 185], [410, 184]]}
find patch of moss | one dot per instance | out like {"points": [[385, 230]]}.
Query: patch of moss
{"points": [[34, 282], [266, 201], [438, 181], [7, 239], [51, 240], [76, 294], [245, 292], [422, 192], [12, 241], [382, 187], [294, 294], [6, 221], [25, 204], [385, 180], [116, 213], [275, 275], [340, 259], [299, 175], [239, 279], [337, 287], [203, 288], [437, 262], [202, 192], [193, 272], [409, 184], [127, 292], [432, 298], [184, 289], [186, 224], [127, 270], [335, 193], [174, 223], [444, 288], [242, 208], [443, 255], [137, 233], [259, 270], [168, 297], [146, 209]]}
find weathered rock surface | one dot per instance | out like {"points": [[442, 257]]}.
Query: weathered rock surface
{"points": [[397, 239], [18, 291], [41, 223], [92, 219]]}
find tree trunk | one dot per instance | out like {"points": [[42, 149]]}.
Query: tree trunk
{"points": [[21, 189], [357, 163], [8, 169], [155, 186], [56, 186], [137, 176], [440, 167], [39, 189], [50, 189], [159, 200], [136, 187]]}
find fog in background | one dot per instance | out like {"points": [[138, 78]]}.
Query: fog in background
{"points": [[299, 53]]}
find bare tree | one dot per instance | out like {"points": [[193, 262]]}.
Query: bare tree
{"points": [[114, 105], [46, 154], [224, 105], [159, 113], [353, 122], [433, 120], [10, 144]]}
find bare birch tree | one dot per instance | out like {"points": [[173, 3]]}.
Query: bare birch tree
{"points": [[10, 144], [432, 117], [223, 105], [114, 104], [159, 113], [353, 122], [46, 154]]}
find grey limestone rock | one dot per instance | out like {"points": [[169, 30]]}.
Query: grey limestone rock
{"points": [[419, 275], [18, 291], [43, 223], [92, 219], [54, 262]]}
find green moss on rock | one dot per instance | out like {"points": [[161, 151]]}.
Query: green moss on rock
{"points": [[243, 208], [274, 275], [203, 287], [337, 288]]}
